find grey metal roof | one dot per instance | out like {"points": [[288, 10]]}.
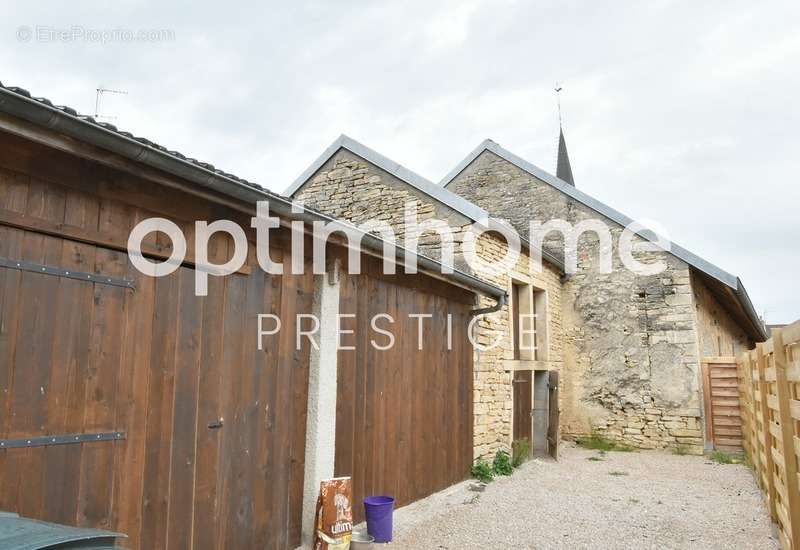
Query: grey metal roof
{"points": [[18, 533], [733, 282], [436, 192], [457, 203]]}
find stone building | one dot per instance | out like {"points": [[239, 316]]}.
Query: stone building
{"points": [[352, 182], [628, 346], [633, 343]]}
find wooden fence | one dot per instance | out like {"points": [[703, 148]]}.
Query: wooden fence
{"points": [[769, 381]]}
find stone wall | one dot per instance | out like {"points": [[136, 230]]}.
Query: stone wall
{"points": [[350, 188], [493, 382], [631, 368]]}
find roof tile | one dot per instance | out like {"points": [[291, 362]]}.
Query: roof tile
{"points": [[144, 141]]}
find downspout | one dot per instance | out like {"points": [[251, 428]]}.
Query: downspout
{"points": [[501, 301]]}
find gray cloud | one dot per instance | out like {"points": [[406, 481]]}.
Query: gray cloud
{"points": [[682, 112]]}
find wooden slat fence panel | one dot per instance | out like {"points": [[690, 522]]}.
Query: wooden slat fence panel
{"points": [[768, 393]]}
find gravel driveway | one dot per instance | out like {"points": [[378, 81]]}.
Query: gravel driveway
{"points": [[627, 500]]}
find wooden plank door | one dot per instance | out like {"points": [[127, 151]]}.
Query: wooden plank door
{"points": [[404, 414], [553, 433], [723, 419], [209, 441], [523, 405]]}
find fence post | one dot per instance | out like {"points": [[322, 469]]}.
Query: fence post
{"points": [[751, 364], [710, 440], [787, 436], [752, 431], [766, 443]]}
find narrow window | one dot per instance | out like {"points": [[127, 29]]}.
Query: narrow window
{"points": [[539, 309], [529, 322], [524, 322], [517, 291]]}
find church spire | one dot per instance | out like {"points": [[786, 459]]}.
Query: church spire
{"points": [[563, 168]]}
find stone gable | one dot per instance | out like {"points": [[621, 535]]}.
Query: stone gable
{"points": [[631, 342]]}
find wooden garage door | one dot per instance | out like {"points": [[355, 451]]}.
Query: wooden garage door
{"points": [[213, 448], [404, 415]]}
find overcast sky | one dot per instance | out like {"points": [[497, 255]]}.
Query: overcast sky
{"points": [[682, 112]]}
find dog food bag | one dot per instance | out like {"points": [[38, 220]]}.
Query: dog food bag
{"points": [[334, 520]]}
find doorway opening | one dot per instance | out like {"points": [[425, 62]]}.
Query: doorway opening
{"points": [[541, 412], [536, 413]]}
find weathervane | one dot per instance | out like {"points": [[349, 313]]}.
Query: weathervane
{"points": [[558, 99]]}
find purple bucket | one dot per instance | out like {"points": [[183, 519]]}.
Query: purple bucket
{"points": [[379, 517]]}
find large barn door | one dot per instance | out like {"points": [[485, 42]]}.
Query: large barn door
{"points": [[61, 340], [150, 403], [188, 435]]}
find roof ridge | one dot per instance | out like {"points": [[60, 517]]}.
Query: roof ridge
{"points": [[585, 199], [438, 193], [456, 202], [695, 261]]}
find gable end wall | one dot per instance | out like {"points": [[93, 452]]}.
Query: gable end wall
{"points": [[631, 347]]}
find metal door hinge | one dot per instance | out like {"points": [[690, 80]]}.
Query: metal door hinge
{"points": [[69, 439], [67, 273]]}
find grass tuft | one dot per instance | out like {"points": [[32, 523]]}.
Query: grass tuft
{"points": [[597, 442], [520, 452], [680, 450], [721, 457]]}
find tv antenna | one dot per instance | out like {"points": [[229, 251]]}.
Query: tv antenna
{"points": [[100, 90]]}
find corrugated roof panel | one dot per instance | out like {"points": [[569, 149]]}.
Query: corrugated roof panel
{"points": [[18, 533]]}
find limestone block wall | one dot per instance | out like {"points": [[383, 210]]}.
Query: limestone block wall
{"points": [[351, 188], [631, 367], [493, 383]]}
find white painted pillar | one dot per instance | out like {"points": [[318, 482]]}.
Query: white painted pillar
{"points": [[321, 419]]}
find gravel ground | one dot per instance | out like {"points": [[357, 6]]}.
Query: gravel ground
{"points": [[628, 500]]}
